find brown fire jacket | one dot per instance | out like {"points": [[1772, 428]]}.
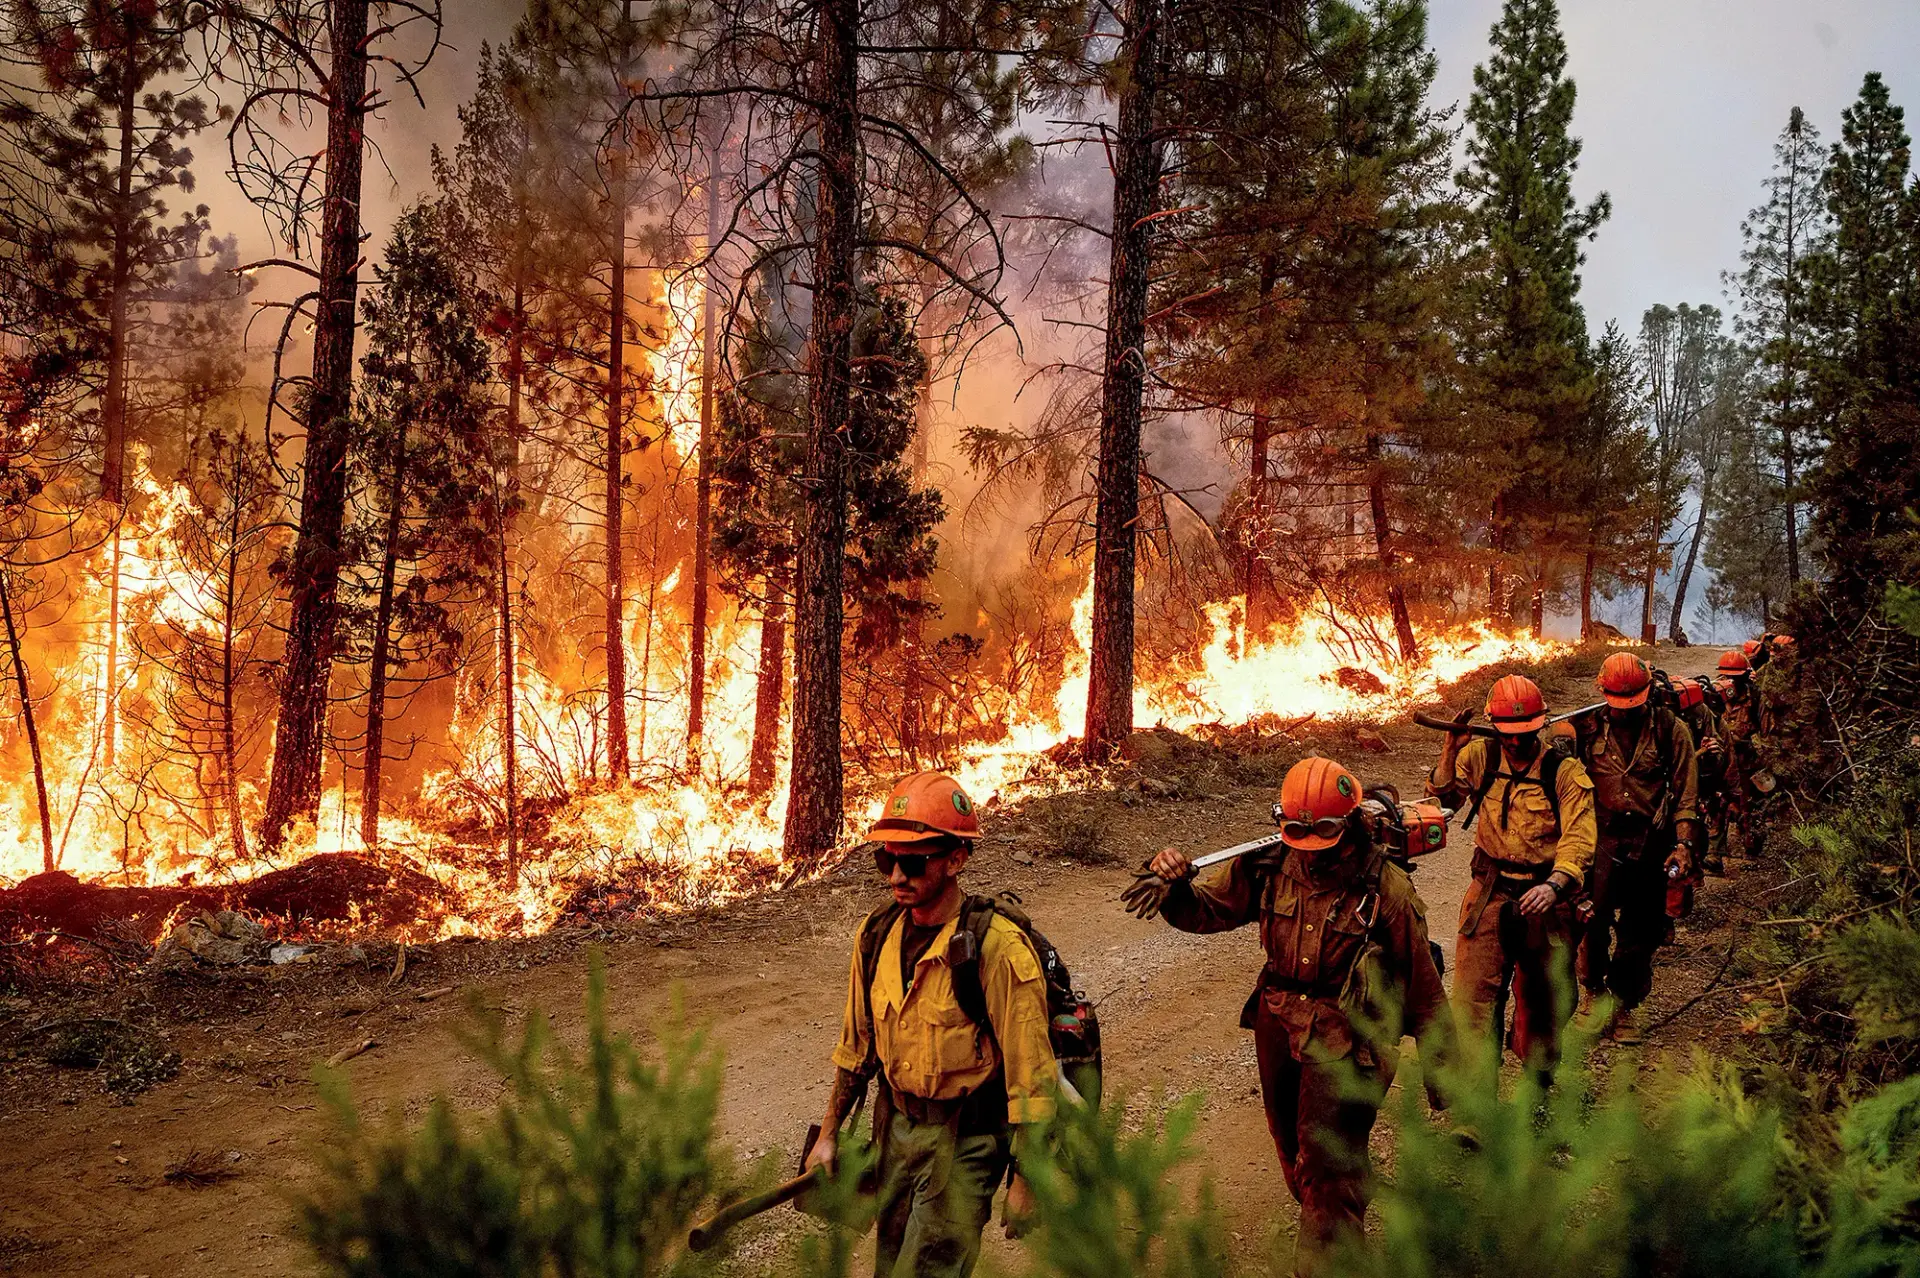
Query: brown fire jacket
{"points": [[1641, 782], [1312, 929]]}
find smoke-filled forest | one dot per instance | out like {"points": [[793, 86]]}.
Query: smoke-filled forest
{"points": [[749, 402], [507, 497]]}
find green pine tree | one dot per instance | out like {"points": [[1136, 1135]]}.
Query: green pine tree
{"points": [[1779, 241], [1531, 333], [422, 467], [890, 546]]}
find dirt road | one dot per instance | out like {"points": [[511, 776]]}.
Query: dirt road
{"points": [[81, 1178]]}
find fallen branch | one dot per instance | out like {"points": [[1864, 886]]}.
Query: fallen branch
{"points": [[346, 1054]]}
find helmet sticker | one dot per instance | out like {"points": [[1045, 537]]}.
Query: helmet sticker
{"points": [[961, 803], [899, 805], [1344, 784]]}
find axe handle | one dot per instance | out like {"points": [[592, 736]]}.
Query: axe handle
{"points": [[1448, 725], [708, 1233]]}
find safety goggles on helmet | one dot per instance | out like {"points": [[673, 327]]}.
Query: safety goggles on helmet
{"points": [[912, 864], [1319, 832]]}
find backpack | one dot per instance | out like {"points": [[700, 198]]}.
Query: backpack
{"points": [[1073, 1027], [1559, 750]]}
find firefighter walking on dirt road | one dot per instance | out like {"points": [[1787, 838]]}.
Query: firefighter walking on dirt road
{"points": [[953, 1094], [1532, 850], [1346, 940], [1640, 758], [1739, 725]]}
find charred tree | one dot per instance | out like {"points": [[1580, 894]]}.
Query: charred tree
{"points": [[295, 56], [28, 723], [703, 461], [1136, 183], [770, 687], [814, 793]]}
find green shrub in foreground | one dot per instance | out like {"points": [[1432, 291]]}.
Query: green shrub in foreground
{"points": [[592, 1165]]}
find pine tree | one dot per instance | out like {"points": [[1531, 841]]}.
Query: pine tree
{"points": [[319, 54], [1677, 352], [1617, 475], [1137, 150], [110, 131], [509, 232], [581, 58], [1868, 296], [1532, 341], [1731, 405], [890, 547], [423, 463], [1780, 239], [1746, 541]]}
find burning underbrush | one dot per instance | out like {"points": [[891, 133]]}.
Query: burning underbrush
{"points": [[674, 843]]}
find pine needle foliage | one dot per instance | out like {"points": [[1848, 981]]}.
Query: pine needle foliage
{"points": [[1676, 1173], [1109, 1201], [593, 1165]]}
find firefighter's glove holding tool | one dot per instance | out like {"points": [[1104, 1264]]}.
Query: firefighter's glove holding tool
{"points": [[1151, 886]]}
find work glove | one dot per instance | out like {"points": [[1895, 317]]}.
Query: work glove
{"points": [[1153, 883]]}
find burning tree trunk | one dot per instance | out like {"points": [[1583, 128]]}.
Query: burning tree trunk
{"points": [[47, 859], [814, 793], [617, 764], [770, 685], [1255, 584], [382, 649], [113, 407], [1136, 184], [703, 483], [1383, 547], [1587, 568], [229, 621], [509, 724], [313, 576]]}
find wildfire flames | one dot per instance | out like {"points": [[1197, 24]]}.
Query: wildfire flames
{"points": [[122, 817]]}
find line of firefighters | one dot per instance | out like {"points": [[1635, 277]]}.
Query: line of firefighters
{"points": [[1588, 842]]}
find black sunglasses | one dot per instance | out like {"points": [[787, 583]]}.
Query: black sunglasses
{"points": [[912, 864]]}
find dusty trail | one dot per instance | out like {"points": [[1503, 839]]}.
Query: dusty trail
{"points": [[81, 1188]]}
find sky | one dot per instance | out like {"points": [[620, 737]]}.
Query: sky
{"points": [[1679, 105]]}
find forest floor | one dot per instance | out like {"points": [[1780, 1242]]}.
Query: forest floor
{"points": [[84, 1183]]}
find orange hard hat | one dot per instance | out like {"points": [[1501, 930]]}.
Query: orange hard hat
{"points": [[1318, 794], [1783, 641], [1516, 706], [924, 806], [1734, 662], [1688, 693], [1625, 680], [1751, 648]]}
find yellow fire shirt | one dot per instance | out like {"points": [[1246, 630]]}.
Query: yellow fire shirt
{"points": [[926, 1043], [1516, 820]]}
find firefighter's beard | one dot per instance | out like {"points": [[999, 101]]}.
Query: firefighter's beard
{"points": [[1520, 751]]}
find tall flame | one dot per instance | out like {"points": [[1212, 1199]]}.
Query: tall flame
{"points": [[691, 835]]}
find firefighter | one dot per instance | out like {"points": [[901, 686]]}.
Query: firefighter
{"points": [[1640, 758], [1698, 702], [954, 1096], [1739, 725], [1346, 941], [1532, 850]]}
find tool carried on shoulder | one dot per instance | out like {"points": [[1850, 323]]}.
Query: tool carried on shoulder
{"points": [[1466, 727], [1401, 831]]}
